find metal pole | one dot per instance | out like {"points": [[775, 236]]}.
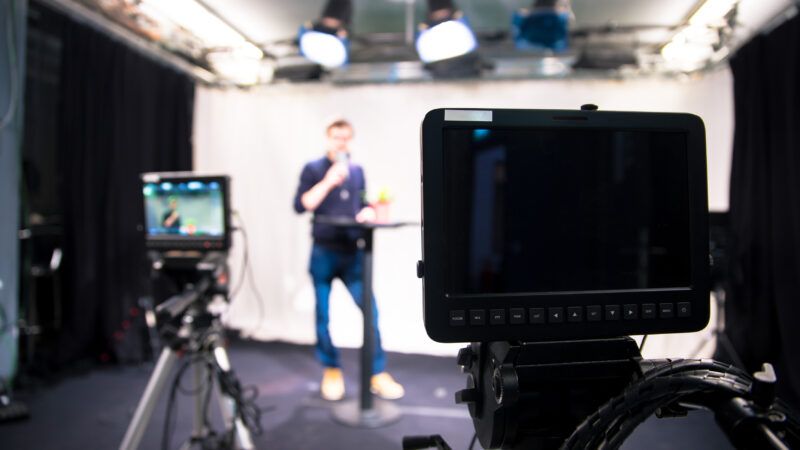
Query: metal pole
{"points": [[367, 349], [226, 403], [409, 23], [156, 384]]}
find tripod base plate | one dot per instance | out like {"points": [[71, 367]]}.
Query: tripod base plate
{"points": [[349, 413]]}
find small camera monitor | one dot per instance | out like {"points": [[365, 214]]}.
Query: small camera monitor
{"points": [[186, 211], [556, 225]]}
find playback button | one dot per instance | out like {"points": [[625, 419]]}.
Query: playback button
{"points": [[555, 315]]}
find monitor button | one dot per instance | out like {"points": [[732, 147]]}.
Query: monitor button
{"points": [[666, 310], [684, 309], [594, 313], [477, 317], [536, 315], [630, 312], [497, 317], [457, 318], [612, 312], [516, 316], [555, 315], [575, 314], [648, 311]]}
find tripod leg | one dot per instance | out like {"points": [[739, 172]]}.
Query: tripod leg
{"points": [[144, 410], [228, 405], [200, 371]]}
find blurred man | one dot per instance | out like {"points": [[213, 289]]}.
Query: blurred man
{"points": [[172, 219], [333, 186]]}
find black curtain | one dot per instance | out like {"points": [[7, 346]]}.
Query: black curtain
{"points": [[122, 113], [763, 312]]}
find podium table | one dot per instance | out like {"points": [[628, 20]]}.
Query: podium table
{"points": [[367, 411]]}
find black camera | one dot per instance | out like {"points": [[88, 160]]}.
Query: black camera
{"points": [[548, 237], [550, 224], [186, 211]]}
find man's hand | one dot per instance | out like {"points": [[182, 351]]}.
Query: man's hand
{"points": [[171, 219], [366, 215], [336, 175]]}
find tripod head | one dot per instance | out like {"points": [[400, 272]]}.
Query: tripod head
{"points": [[211, 275], [533, 395], [202, 277]]}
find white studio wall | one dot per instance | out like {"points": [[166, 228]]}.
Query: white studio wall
{"points": [[262, 138]]}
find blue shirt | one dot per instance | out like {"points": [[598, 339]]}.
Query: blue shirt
{"points": [[345, 200]]}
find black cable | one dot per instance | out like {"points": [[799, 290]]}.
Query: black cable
{"points": [[171, 414], [245, 260], [616, 419], [598, 425], [247, 273], [683, 365], [244, 400], [621, 430], [641, 345], [176, 387], [473, 441]]}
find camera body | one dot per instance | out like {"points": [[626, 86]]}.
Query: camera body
{"points": [[563, 225]]}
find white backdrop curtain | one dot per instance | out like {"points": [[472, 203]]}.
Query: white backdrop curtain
{"points": [[262, 138]]}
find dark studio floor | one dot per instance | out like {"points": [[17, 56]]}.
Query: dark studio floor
{"points": [[91, 411]]}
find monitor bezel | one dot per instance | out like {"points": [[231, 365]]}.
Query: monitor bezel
{"points": [[436, 305], [189, 243]]}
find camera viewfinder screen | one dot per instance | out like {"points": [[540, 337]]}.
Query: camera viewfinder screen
{"points": [[535, 210], [184, 209]]}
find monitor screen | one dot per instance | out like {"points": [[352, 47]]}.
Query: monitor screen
{"points": [[531, 210], [189, 209]]}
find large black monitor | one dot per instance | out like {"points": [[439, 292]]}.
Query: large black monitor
{"points": [[186, 211], [544, 224]]}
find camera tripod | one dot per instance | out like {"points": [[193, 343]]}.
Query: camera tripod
{"points": [[194, 338]]}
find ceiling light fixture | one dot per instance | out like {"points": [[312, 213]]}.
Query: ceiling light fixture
{"points": [[325, 41], [544, 27], [232, 55], [696, 44], [196, 18], [445, 35]]}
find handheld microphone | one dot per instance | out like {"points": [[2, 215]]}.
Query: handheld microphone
{"points": [[344, 157]]}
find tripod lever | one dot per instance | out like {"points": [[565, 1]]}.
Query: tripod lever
{"points": [[177, 304]]}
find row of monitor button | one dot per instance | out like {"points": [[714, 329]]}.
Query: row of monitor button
{"points": [[559, 314]]}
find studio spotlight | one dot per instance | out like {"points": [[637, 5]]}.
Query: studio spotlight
{"points": [[325, 41], [544, 27], [445, 35]]}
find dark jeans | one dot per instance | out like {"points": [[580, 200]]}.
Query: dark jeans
{"points": [[327, 264]]}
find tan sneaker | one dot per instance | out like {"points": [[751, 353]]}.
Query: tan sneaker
{"points": [[332, 386], [385, 387]]}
